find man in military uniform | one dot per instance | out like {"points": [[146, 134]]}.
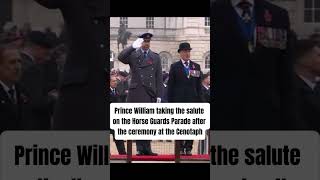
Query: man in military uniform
{"points": [[11, 100], [253, 68], [146, 78], [184, 85], [115, 98], [81, 105]]}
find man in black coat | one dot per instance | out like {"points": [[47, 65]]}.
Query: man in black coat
{"points": [[123, 86], [115, 98], [81, 105], [184, 85], [253, 69], [307, 70], [146, 78], [36, 113], [205, 88], [10, 93]]}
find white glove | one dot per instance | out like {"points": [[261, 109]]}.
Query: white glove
{"points": [[137, 43], [158, 100]]}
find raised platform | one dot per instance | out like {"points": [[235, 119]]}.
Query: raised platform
{"points": [[161, 157]]}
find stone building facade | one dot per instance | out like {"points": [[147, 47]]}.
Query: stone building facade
{"points": [[168, 33]]}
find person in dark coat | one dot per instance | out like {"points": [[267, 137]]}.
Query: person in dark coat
{"points": [[34, 55], [254, 78], [115, 98], [165, 78], [81, 105], [123, 86], [11, 100], [205, 88], [184, 85], [146, 78], [307, 68]]}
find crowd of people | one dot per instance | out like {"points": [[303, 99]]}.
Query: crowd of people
{"points": [[31, 64]]}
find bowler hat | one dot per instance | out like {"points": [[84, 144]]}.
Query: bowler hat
{"points": [[184, 46]]}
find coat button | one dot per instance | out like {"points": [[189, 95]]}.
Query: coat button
{"points": [[95, 22], [101, 45]]}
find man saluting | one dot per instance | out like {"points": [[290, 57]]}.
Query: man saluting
{"points": [[146, 81]]}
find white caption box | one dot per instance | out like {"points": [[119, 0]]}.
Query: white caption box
{"points": [[160, 121]]}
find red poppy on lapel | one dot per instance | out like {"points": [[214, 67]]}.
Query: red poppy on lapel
{"points": [[267, 16], [149, 61]]}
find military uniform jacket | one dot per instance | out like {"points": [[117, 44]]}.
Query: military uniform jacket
{"points": [[10, 113], [114, 98], [146, 75], [180, 87], [252, 90]]}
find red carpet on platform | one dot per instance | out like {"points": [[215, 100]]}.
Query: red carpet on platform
{"points": [[197, 157]]}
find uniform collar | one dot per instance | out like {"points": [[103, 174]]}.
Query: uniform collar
{"points": [[236, 2], [29, 55], [144, 51], [205, 86], [310, 83], [5, 87], [182, 61]]}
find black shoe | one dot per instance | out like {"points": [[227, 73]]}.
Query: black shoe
{"points": [[122, 153], [182, 153], [188, 153], [150, 153], [140, 153]]}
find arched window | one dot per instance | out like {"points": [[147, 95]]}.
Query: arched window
{"points": [[311, 11], [149, 22], [111, 59], [207, 21], [124, 20], [207, 60], [165, 60]]}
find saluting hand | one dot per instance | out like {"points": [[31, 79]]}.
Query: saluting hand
{"points": [[137, 43]]}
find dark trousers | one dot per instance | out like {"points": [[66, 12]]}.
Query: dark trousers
{"points": [[143, 145], [120, 145], [186, 145]]}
